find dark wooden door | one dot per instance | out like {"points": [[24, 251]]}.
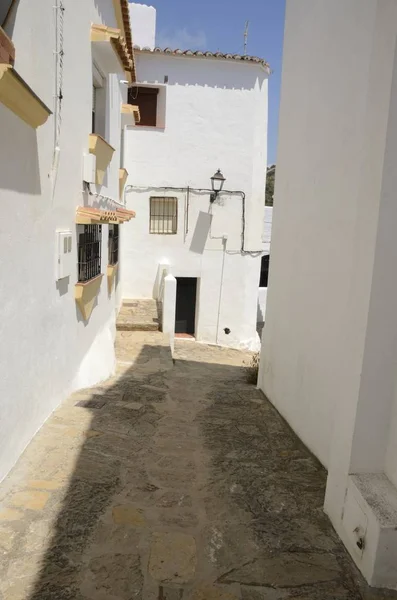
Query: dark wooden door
{"points": [[185, 305]]}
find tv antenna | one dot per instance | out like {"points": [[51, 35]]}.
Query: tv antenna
{"points": [[246, 37]]}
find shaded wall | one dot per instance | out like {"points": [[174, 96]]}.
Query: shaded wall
{"points": [[48, 349], [329, 171]]}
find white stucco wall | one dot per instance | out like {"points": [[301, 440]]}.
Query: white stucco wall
{"points": [[267, 236], [143, 25], [168, 299], [329, 344], [267, 229], [215, 117], [312, 343], [48, 350], [262, 300]]}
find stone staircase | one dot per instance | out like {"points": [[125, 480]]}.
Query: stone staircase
{"points": [[139, 315]]}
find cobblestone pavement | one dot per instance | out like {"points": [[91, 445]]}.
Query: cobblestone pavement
{"points": [[170, 482]]}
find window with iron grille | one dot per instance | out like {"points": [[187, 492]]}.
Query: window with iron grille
{"points": [[163, 215], [89, 251], [113, 245]]}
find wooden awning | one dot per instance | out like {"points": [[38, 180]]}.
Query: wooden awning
{"points": [[86, 215], [122, 10], [16, 95], [130, 114], [125, 215], [113, 36], [137, 113]]}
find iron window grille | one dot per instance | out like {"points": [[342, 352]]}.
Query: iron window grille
{"points": [[113, 258], [90, 241], [163, 215]]}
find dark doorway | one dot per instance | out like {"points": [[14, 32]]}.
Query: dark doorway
{"points": [[185, 315], [264, 272]]}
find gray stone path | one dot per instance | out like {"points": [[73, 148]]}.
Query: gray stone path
{"points": [[170, 482], [139, 315]]}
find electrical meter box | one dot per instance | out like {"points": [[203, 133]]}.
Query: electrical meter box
{"points": [[65, 258]]}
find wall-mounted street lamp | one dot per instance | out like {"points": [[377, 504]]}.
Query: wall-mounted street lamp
{"points": [[217, 182]]}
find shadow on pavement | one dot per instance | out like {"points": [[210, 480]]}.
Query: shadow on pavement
{"points": [[188, 485]]}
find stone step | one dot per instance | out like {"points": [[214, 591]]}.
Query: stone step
{"points": [[128, 326], [139, 315]]}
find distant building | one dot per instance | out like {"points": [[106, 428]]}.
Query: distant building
{"points": [[200, 111]]}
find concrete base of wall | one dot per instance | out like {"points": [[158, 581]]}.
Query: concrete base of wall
{"points": [[169, 308], [368, 527], [100, 361]]}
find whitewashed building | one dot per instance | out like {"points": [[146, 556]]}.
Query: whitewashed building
{"points": [[199, 112], [330, 339], [264, 274], [62, 112]]}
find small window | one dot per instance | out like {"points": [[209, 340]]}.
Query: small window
{"points": [[113, 258], [99, 102], [163, 215], [146, 99], [264, 272], [89, 251]]}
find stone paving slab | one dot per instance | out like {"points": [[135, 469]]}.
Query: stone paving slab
{"points": [[139, 315], [173, 558], [173, 480]]}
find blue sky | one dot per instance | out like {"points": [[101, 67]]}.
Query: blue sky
{"points": [[219, 25]]}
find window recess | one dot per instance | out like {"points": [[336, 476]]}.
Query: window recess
{"points": [[163, 215]]}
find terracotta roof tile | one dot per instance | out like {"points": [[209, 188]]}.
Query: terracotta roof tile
{"points": [[103, 33], [128, 35], [202, 54]]}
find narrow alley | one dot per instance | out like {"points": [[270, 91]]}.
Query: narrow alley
{"points": [[174, 480]]}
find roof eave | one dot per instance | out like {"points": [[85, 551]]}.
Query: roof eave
{"points": [[230, 58], [122, 12]]}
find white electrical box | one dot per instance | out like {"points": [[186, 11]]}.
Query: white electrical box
{"points": [[89, 168], [65, 258]]}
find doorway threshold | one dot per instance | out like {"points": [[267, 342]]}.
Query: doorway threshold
{"points": [[185, 336]]}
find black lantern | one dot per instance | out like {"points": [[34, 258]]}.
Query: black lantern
{"points": [[217, 182]]}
